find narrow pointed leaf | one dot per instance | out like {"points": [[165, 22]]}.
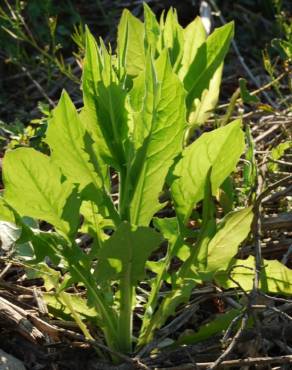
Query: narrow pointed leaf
{"points": [[91, 76], [173, 38], [152, 29]]}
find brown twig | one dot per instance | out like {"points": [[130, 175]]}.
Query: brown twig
{"points": [[232, 345], [237, 363], [240, 57]]}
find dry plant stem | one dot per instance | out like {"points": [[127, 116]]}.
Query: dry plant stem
{"points": [[34, 328], [38, 86], [264, 361], [268, 132], [263, 197], [232, 345], [257, 91], [17, 318], [135, 362], [280, 162], [5, 270], [278, 195], [241, 59]]}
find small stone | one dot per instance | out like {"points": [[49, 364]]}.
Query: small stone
{"points": [[8, 362]]}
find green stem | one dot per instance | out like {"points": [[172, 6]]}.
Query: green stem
{"points": [[145, 332], [125, 324], [105, 312]]}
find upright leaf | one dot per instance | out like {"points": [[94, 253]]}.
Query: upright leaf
{"points": [[173, 38], [233, 230], [219, 149], [202, 108], [159, 127], [69, 143], [105, 113], [91, 76], [152, 29], [194, 36], [130, 44], [207, 60]]}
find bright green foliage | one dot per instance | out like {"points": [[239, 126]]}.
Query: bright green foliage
{"points": [[231, 232], [34, 187], [70, 145], [114, 160], [218, 150], [274, 276]]}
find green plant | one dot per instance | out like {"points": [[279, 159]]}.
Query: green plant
{"points": [[137, 123], [31, 25]]}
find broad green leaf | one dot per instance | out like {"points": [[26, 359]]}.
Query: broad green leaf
{"points": [[202, 108], [159, 127], [219, 324], [233, 230], [130, 44], [219, 149], [70, 145], [274, 276], [207, 60], [33, 187], [194, 36], [127, 251]]}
